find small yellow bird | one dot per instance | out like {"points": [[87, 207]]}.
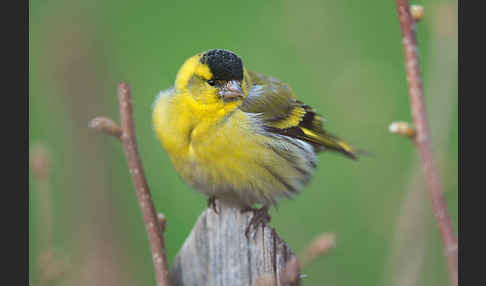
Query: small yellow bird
{"points": [[238, 136]]}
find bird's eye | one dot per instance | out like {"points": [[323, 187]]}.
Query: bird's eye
{"points": [[212, 82]]}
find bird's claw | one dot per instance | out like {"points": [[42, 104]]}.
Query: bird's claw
{"points": [[260, 218], [212, 204]]}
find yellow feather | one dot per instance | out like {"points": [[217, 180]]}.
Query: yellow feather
{"points": [[292, 120], [215, 158], [191, 66]]}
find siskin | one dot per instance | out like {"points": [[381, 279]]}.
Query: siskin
{"points": [[239, 136]]}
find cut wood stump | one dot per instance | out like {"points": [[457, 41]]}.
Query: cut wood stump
{"points": [[217, 252]]}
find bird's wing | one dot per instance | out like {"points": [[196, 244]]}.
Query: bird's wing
{"points": [[284, 114]]}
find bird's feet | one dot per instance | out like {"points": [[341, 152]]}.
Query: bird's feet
{"points": [[212, 204], [260, 218]]}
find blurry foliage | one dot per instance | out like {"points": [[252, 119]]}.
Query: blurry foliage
{"points": [[344, 58]]}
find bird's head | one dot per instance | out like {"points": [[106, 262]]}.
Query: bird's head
{"points": [[213, 76]]}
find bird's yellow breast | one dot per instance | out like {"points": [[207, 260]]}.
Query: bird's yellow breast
{"points": [[218, 149], [210, 141]]}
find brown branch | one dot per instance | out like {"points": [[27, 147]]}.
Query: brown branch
{"points": [[51, 265], [162, 221], [417, 102], [152, 224], [417, 12], [317, 247], [107, 126], [402, 128], [40, 166], [320, 245]]}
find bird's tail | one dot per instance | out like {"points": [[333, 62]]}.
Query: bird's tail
{"points": [[331, 142], [323, 140]]}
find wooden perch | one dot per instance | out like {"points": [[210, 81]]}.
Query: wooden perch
{"points": [[217, 252]]}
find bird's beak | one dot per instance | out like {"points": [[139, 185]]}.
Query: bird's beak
{"points": [[231, 90]]}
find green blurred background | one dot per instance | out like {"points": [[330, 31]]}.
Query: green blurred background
{"points": [[344, 58]]}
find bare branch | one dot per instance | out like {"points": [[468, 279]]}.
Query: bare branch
{"points": [[417, 12], [162, 221], [417, 103], [40, 169], [51, 265], [402, 128], [40, 162], [107, 126], [127, 136], [319, 246]]}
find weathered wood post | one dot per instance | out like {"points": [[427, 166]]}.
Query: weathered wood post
{"points": [[217, 252]]}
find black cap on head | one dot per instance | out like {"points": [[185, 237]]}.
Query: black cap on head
{"points": [[224, 65]]}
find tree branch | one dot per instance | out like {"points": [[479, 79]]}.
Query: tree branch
{"points": [[52, 265], [107, 126], [320, 245], [417, 103], [127, 136]]}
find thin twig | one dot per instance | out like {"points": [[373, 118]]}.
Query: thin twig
{"points": [[52, 265], [402, 128], [407, 253], [40, 166], [417, 12], [417, 102], [162, 221], [317, 247], [107, 126], [152, 225], [320, 245]]}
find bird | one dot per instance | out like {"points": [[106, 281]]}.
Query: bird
{"points": [[239, 136]]}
